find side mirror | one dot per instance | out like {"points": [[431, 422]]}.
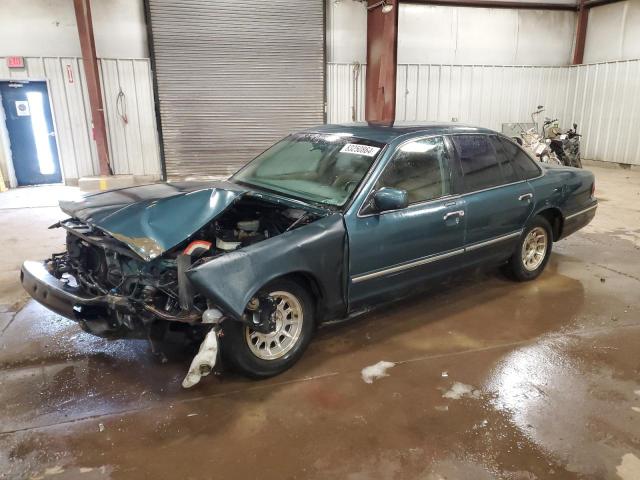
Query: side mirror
{"points": [[575, 127], [387, 199]]}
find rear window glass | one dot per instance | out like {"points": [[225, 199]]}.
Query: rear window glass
{"points": [[479, 162], [524, 165], [506, 166]]}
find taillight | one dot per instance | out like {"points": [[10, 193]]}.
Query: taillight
{"points": [[593, 189]]}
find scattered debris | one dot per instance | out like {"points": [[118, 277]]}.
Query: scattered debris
{"points": [[637, 392], [636, 409], [192, 415], [86, 469], [101, 427], [204, 361], [57, 470], [482, 424], [602, 280], [444, 374], [629, 468], [442, 408], [374, 372], [459, 390]]}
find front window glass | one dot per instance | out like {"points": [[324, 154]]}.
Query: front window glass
{"points": [[421, 168], [324, 168]]}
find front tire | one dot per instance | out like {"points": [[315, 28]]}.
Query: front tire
{"points": [[257, 355], [533, 251]]}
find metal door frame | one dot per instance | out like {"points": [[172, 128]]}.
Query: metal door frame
{"points": [[5, 141]]}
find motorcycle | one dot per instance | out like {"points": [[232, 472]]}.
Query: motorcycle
{"points": [[535, 143], [566, 146], [553, 146]]}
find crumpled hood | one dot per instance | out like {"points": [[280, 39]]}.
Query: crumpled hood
{"points": [[152, 219]]}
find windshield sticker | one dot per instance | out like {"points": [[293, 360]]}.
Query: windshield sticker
{"points": [[357, 149]]}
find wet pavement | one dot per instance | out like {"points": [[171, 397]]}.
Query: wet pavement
{"points": [[490, 380]]}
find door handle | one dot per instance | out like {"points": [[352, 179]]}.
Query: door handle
{"points": [[526, 196], [457, 213]]}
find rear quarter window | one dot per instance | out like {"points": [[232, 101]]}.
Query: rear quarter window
{"points": [[479, 161], [523, 164]]}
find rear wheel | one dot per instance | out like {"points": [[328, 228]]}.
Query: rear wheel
{"points": [[532, 252], [263, 355]]}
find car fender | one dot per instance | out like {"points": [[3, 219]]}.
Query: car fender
{"points": [[317, 249]]}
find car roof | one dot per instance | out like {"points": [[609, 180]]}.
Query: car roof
{"points": [[388, 134]]}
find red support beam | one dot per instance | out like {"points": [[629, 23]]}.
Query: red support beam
{"points": [[90, 61], [382, 53], [581, 33]]}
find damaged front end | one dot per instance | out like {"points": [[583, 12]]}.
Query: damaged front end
{"points": [[109, 283], [113, 292]]}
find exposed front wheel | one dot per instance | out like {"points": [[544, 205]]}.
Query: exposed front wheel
{"points": [[262, 355], [533, 250]]}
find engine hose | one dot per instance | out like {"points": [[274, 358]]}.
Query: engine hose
{"points": [[189, 318]]}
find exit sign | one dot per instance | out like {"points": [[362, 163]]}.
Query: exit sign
{"points": [[15, 62]]}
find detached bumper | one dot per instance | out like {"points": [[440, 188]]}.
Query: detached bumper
{"points": [[94, 314], [51, 292]]}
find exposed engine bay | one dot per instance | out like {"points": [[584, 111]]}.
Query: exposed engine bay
{"points": [[153, 298]]}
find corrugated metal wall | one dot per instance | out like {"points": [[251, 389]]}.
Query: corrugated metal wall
{"points": [[133, 146], [234, 77], [604, 99], [345, 92], [607, 110]]}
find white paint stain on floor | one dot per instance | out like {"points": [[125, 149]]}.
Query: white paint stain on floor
{"points": [[374, 372], [459, 390], [629, 468]]}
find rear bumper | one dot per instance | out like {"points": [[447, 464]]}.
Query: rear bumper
{"points": [[92, 313], [577, 220]]}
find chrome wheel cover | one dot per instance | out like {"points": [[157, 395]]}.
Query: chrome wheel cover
{"points": [[534, 248], [289, 318]]}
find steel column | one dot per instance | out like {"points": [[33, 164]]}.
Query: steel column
{"points": [[581, 33], [382, 52], [90, 61]]}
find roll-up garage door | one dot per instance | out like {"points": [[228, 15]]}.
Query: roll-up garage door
{"points": [[234, 77]]}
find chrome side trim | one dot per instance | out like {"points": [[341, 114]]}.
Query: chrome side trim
{"points": [[568, 217], [431, 258], [406, 266], [486, 243]]}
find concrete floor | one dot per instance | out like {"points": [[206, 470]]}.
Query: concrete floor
{"points": [[492, 379]]}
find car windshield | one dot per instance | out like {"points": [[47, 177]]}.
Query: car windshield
{"points": [[323, 168]]}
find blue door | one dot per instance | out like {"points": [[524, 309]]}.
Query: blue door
{"points": [[394, 250], [498, 200], [31, 136]]}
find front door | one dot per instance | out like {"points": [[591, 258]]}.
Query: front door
{"points": [[393, 250], [31, 136]]}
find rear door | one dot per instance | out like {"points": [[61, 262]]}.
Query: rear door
{"points": [[393, 250], [498, 201]]}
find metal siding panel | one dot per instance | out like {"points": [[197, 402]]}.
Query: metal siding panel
{"points": [[79, 121], [228, 92], [131, 130], [146, 118], [68, 158], [115, 125]]}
